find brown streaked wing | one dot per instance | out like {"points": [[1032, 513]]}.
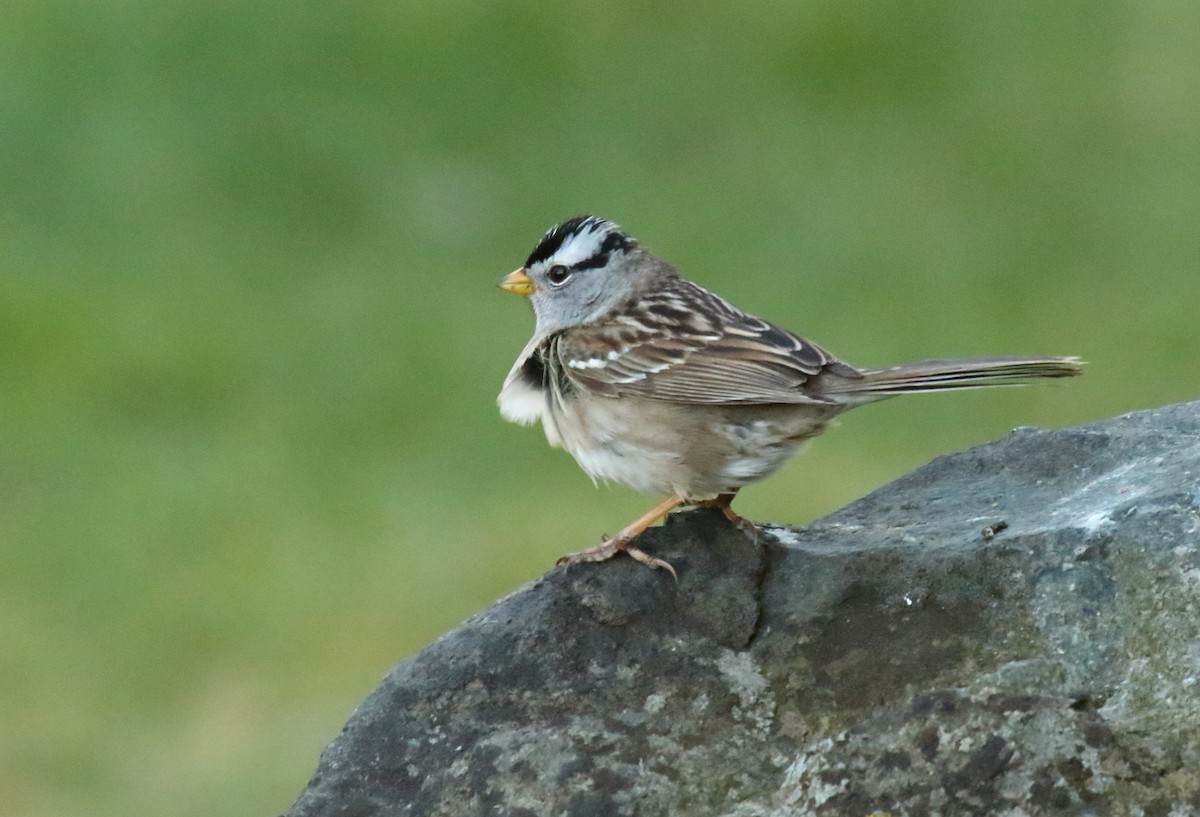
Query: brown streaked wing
{"points": [[685, 345]]}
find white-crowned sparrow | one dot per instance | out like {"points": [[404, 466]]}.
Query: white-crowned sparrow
{"points": [[654, 382]]}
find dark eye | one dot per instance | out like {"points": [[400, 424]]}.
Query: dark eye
{"points": [[558, 275]]}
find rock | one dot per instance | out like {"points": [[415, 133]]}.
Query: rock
{"points": [[1011, 630]]}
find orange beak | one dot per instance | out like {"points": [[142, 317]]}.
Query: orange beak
{"points": [[517, 282]]}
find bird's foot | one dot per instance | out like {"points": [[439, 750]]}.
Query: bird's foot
{"points": [[611, 548], [623, 541], [723, 502]]}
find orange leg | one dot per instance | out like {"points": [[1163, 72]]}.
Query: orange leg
{"points": [[724, 502], [622, 542]]}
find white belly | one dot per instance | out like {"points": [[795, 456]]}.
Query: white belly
{"points": [[693, 452], [610, 442], [658, 447]]}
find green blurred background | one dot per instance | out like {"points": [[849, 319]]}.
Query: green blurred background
{"points": [[250, 341]]}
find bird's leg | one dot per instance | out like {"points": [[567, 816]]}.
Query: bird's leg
{"points": [[622, 542], [724, 503]]}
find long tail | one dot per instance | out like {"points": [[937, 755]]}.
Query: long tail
{"points": [[946, 375]]}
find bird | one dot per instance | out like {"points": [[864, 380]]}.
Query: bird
{"points": [[652, 381]]}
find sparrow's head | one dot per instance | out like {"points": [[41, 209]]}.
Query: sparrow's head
{"points": [[579, 271]]}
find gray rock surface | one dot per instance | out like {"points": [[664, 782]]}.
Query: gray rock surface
{"points": [[1011, 630]]}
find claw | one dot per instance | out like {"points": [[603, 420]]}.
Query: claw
{"points": [[723, 502], [606, 551], [652, 562], [621, 543]]}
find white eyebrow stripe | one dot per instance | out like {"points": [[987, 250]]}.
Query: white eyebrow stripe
{"points": [[579, 247]]}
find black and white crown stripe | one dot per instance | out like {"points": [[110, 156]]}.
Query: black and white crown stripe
{"points": [[583, 242]]}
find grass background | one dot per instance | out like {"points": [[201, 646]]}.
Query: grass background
{"points": [[250, 342]]}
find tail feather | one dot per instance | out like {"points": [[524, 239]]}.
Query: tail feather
{"points": [[947, 375]]}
